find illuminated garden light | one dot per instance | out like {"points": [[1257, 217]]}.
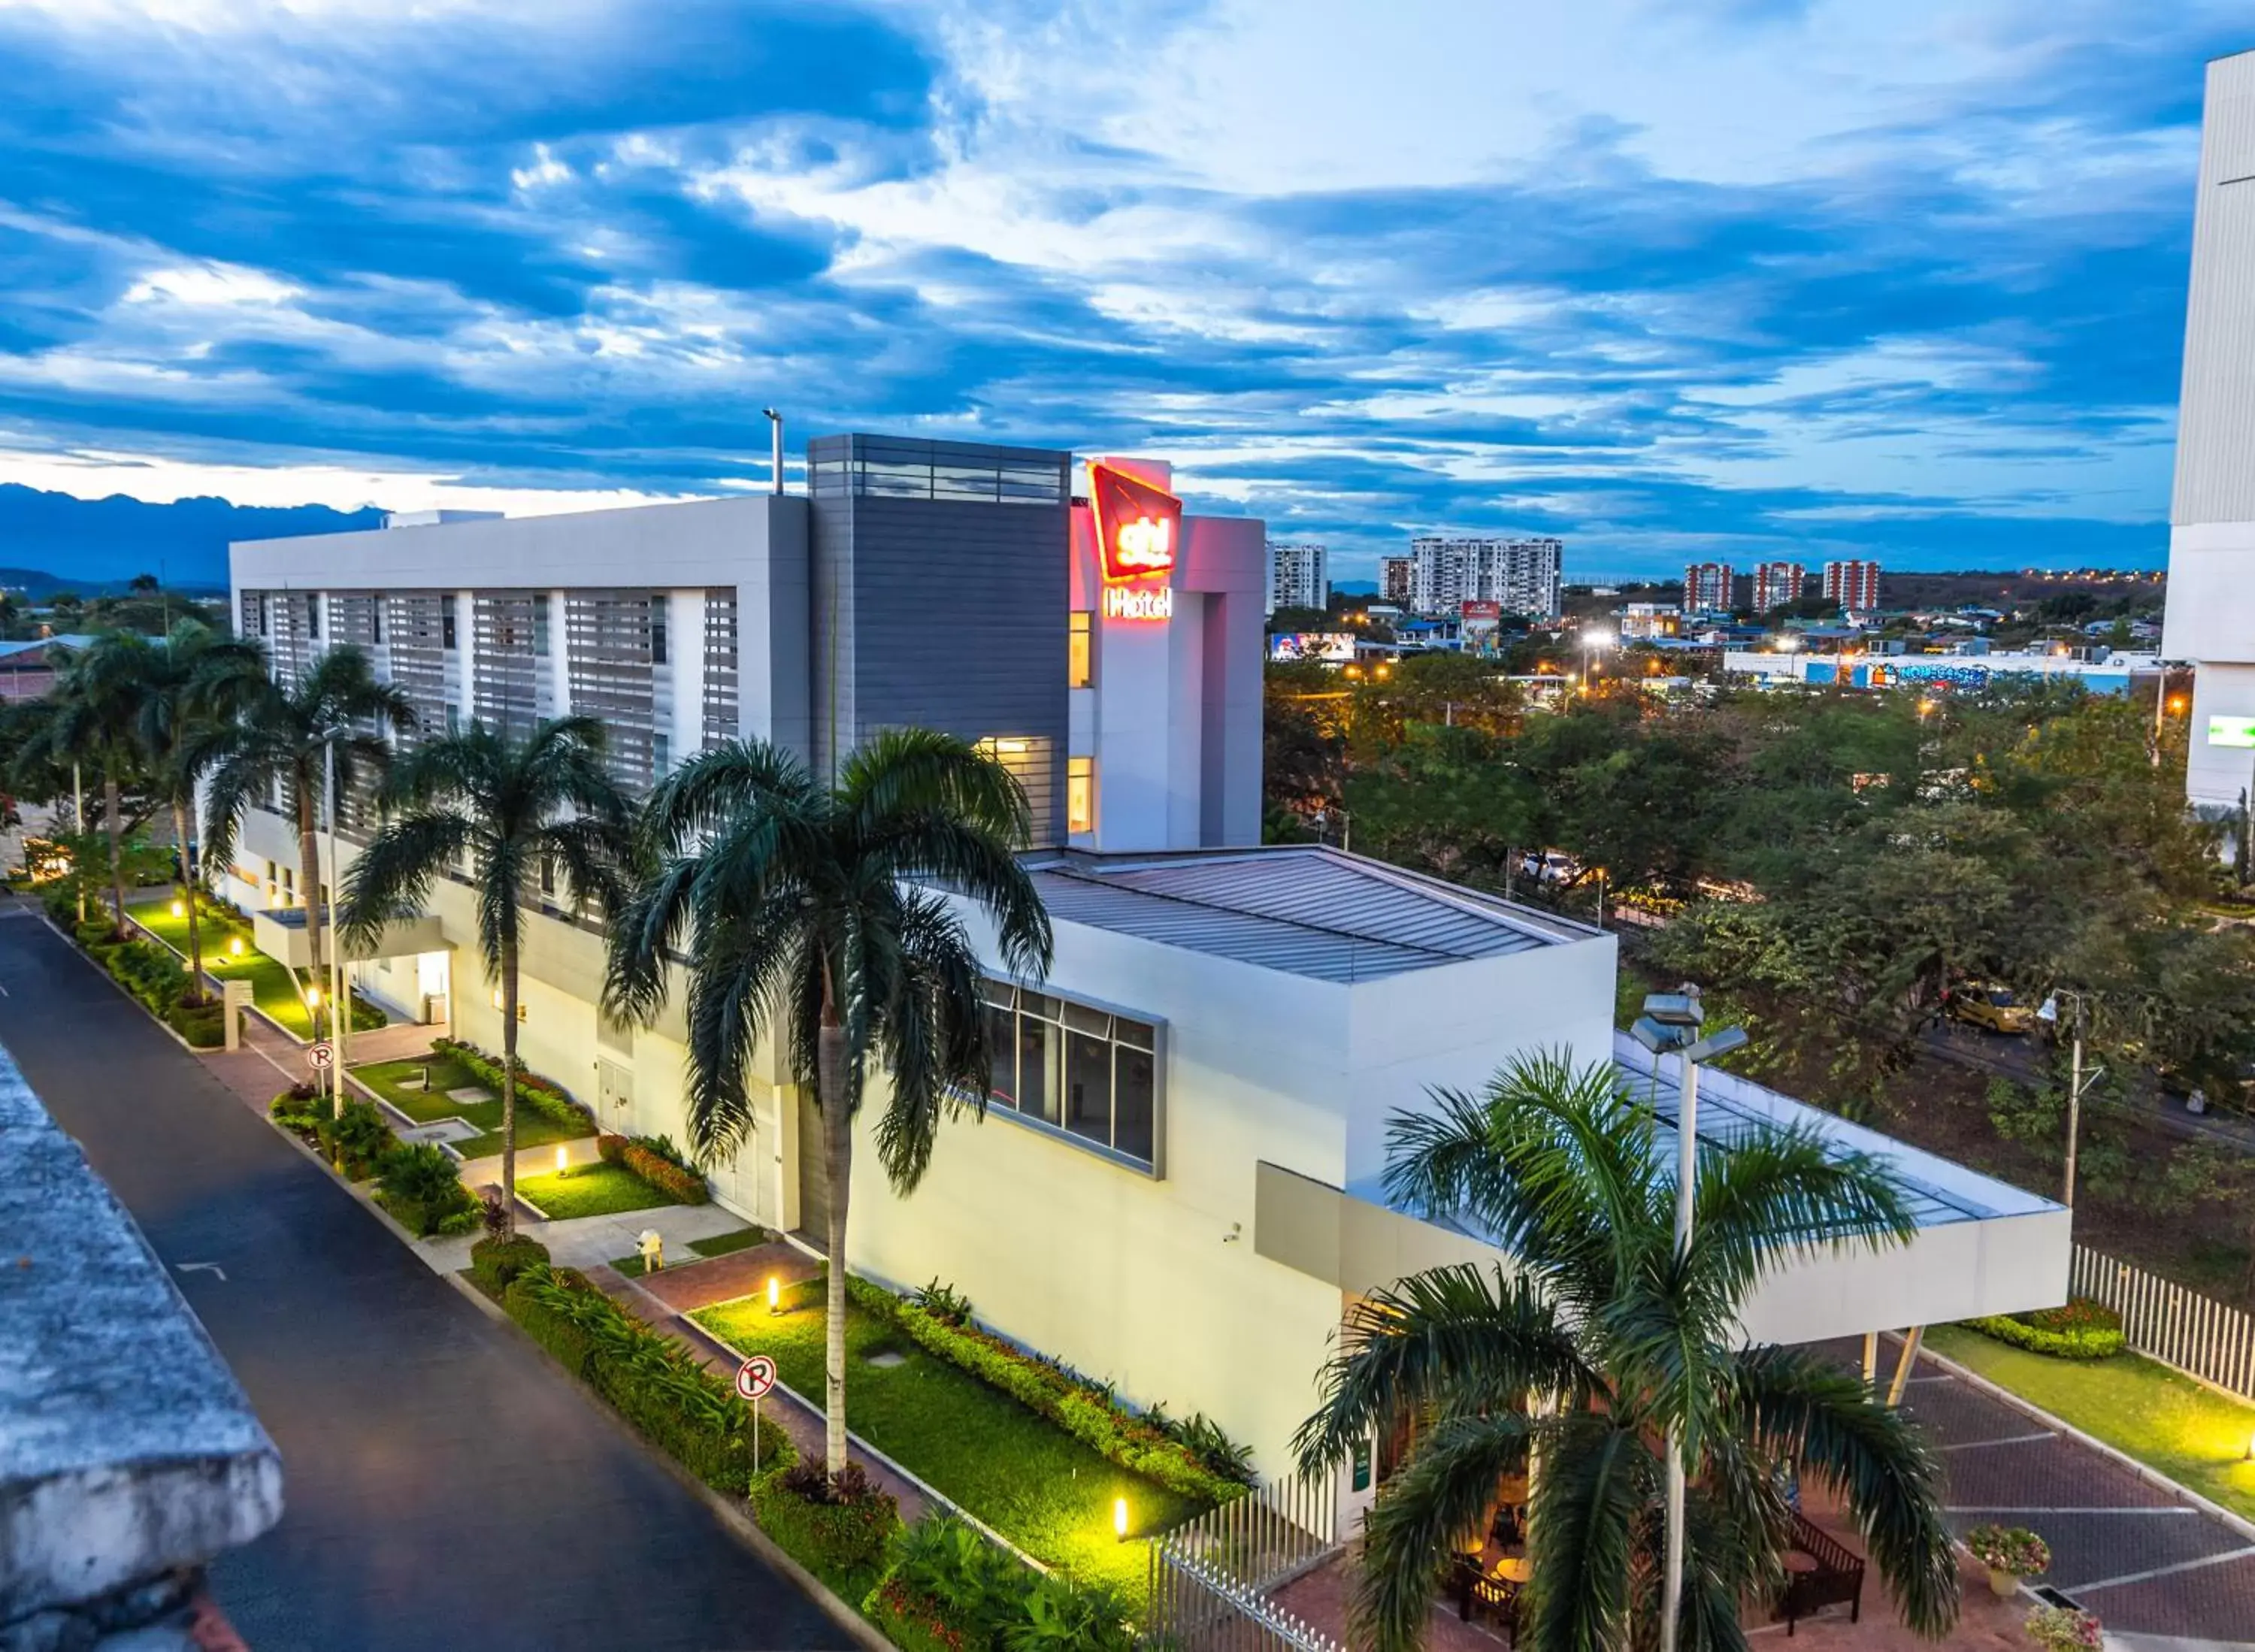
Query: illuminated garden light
{"points": [[1120, 1518]]}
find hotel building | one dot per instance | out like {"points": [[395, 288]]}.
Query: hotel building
{"points": [[2212, 597], [1179, 1184]]}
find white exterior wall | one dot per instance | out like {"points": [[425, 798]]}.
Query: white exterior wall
{"points": [[2211, 596]]}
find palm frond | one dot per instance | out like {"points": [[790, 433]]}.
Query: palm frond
{"points": [[1586, 1530]]}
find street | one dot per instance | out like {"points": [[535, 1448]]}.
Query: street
{"points": [[446, 1484]]}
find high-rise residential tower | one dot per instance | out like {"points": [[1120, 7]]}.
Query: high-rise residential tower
{"points": [[2211, 603], [1520, 575], [1777, 584], [1297, 575], [1853, 584], [1707, 587], [1397, 579]]}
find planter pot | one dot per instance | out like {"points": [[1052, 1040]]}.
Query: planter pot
{"points": [[2004, 1585]]}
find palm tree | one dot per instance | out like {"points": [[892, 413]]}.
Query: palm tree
{"points": [[95, 721], [806, 911], [186, 688], [511, 808], [1603, 1340], [287, 736]]}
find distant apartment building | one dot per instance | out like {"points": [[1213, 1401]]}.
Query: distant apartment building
{"points": [[1707, 587], [1521, 575], [1640, 621], [1853, 584], [2212, 590], [1777, 584], [1397, 579], [1297, 575]]}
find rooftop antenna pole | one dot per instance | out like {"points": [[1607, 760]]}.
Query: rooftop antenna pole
{"points": [[775, 432]]}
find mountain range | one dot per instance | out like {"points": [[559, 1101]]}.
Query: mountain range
{"points": [[53, 542]]}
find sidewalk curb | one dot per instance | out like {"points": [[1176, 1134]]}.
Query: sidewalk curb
{"points": [[2151, 1475]]}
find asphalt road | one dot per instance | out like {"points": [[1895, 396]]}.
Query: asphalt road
{"points": [[446, 1485]]}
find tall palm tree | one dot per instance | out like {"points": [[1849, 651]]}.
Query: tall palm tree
{"points": [[806, 913], [511, 808], [1604, 1338], [285, 736], [95, 721], [188, 687]]}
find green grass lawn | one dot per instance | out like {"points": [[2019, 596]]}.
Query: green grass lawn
{"points": [[272, 987], [715, 1244], [428, 1106], [591, 1189], [2192, 1434], [1034, 1483]]}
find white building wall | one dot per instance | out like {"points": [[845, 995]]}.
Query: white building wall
{"points": [[2211, 594]]}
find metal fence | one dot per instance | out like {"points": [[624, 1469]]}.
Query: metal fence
{"points": [[1213, 1577], [2197, 1335]]}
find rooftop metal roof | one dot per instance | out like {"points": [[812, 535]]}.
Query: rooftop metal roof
{"points": [[1303, 909], [1733, 1108]]}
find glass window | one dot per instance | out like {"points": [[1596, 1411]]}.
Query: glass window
{"points": [[454, 719], [1041, 1057], [376, 620], [1134, 1085], [1080, 660], [657, 631], [540, 624], [1002, 1050], [313, 616], [1088, 1084], [446, 627], [1081, 794], [661, 755]]}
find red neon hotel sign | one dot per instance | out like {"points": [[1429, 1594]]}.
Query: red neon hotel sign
{"points": [[1138, 530]]}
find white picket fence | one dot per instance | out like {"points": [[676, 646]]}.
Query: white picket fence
{"points": [[2197, 1335], [1213, 1577]]}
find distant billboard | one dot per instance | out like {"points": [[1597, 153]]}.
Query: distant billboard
{"points": [[1332, 648], [1489, 611]]}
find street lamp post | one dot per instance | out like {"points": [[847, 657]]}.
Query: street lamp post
{"points": [[2076, 1084], [1670, 1024]]}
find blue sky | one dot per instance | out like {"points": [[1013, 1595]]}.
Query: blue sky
{"points": [[1902, 277]]}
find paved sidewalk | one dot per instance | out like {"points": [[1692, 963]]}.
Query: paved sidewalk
{"points": [[2146, 1562]]}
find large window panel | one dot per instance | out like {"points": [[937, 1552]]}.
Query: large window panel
{"points": [[1075, 1068], [1088, 1074], [1040, 1058]]}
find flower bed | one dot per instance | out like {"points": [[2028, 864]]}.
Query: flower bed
{"points": [[651, 1161], [1084, 1410], [2065, 1629], [651, 1379], [2082, 1329], [544, 1096]]}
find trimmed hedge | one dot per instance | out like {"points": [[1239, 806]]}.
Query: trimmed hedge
{"points": [[496, 1262], [544, 1096], [651, 1379], [2082, 1329], [629, 1153], [158, 982], [841, 1540], [1081, 1409]]}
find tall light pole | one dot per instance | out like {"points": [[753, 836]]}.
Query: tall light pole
{"points": [[2076, 1084], [1670, 1025]]}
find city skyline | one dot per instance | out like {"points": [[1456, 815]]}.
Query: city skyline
{"points": [[1833, 285]]}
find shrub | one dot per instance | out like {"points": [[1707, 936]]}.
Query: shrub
{"points": [[632, 1153], [357, 1140], [421, 1187], [203, 1025], [2066, 1629], [496, 1262], [651, 1379], [950, 1588], [1084, 1410], [2082, 1329], [943, 1302], [836, 1529], [2011, 1548], [544, 1097]]}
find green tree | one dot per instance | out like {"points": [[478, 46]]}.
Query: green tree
{"points": [[94, 721], [1607, 1340], [286, 735], [188, 686], [808, 914], [512, 809]]}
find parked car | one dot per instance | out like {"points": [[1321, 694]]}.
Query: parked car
{"points": [[1990, 1006]]}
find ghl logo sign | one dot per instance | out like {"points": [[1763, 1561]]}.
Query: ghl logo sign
{"points": [[1138, 527]]}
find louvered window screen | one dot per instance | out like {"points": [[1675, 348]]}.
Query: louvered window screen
{"points": [[354, 620], [720, 701], [506, 692], [413, 629], [290, 615], [253, 621], [608, 635]]}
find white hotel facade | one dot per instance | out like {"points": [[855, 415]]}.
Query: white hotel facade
{"points": [[2212, 597], [1179, 1187]]}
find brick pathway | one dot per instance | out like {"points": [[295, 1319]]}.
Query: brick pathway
{"points": [[2146, 1561]]}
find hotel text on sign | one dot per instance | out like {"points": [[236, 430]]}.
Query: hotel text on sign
{"points": [[1138, 528]]}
